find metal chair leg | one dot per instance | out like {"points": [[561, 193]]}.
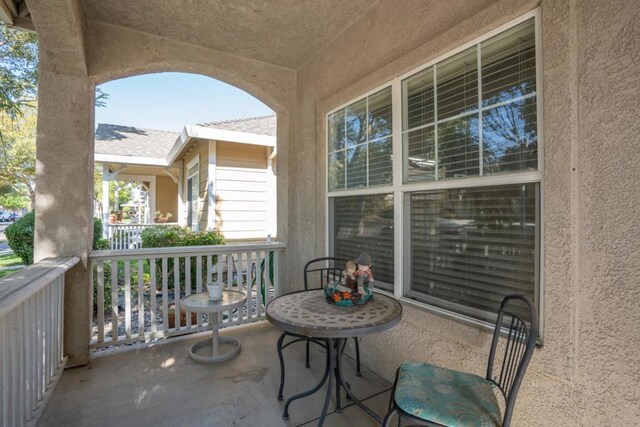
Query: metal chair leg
{"points": [[280, 341], [306, 365], [358, 373], [387, 418]]}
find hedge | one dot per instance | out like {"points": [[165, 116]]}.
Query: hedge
{"points": [[20, 237]]}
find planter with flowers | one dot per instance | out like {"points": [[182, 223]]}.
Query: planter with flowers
{"points": [[161, 218]]}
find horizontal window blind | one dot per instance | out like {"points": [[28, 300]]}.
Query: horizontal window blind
{"points": [[472, 246], [359, 141], [452, 128], [364, 224]]}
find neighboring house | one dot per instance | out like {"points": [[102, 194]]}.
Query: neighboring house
{"points": [[218, 175]]}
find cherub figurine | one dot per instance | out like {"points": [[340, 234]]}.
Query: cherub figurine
{"points": [[348, 276], [363, 274]]}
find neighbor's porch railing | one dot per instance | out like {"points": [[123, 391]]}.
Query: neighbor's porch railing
{"points": [[126, 236], [144, 304], [31, 339]]}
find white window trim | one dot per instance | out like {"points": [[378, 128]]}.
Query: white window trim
{"points": [[399, 189], [211, 186], [195, 161]]}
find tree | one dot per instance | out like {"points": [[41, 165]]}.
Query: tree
{"points": [[18, 152], [18, 70], [18, 109], [13, 200]]}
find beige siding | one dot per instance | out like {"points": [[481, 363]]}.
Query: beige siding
{"points": [[241, 191], [167, 196]]}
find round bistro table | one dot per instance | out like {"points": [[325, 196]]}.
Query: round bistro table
{"points": [[306, 313], [200, 303]]}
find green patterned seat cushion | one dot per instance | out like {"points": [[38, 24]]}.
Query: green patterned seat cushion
{"points": [[447, 397]]}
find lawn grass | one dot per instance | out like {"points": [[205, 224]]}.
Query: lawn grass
{"points": [[9, 260], [5, 273]]}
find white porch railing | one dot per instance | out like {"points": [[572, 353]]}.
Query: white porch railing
{"points": [[31, 339], [144, 303], [127, 236]]}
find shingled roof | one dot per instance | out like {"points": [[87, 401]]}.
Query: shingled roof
{"points": [[132, 141], [265, 125]]}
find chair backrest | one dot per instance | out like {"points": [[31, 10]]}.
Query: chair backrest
{"points": [[511, 348], [320, 271]]}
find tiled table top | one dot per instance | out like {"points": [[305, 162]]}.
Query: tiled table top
{"points": [[306, 313]]}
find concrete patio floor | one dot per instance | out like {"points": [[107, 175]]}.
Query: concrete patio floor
{"points": [[159, 385]]}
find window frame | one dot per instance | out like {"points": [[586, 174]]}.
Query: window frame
{"points": [[400, 189], [195, 226]]}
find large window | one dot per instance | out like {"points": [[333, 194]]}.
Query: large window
{"points": [[468, 155]]}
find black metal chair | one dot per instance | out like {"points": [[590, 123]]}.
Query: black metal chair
{"points": [[438, 396], [318, 272]]}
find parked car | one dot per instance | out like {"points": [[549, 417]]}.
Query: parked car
{"points": [[14, 216], [4, 216]]}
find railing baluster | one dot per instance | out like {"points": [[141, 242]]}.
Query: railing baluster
{"points": [[152, 298], [40, 347], [245, 278], [100, 298], [141, 298], [187, 284], [267, 277], [176, 292], [247, 306], [114, 300], [276, 285], [258, 284], [165, 295], [199, 282], [127, 298]]}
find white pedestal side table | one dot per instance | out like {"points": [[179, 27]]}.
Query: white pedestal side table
{"points": [[200, 303]]}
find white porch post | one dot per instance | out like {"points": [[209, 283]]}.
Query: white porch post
{"points": [[152, 199], [105, 200], [211, 187], [182, 218], [272, 202]]}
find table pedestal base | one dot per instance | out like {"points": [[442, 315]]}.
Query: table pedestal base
{"points": [[215, 357], [332, 372]]}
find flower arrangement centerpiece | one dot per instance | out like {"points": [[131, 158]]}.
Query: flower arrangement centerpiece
{"points": [[355, 287]]}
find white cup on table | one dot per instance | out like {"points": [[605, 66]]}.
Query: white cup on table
{"points": [[215, 291]]}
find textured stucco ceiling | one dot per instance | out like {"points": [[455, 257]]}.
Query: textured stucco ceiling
{"points": [[281, 32]]}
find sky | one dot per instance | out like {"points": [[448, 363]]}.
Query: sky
{"points": [[169, 101]]}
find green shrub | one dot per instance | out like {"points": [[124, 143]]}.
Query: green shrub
{"points": [[99, 243], [162, 236], [20, 237]]}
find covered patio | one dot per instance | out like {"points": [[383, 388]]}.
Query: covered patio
{"points": [[159, 385], [396, 136]]}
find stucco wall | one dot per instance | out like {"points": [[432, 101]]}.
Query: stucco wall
{"points": [[588, 370], [167, 196]]}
